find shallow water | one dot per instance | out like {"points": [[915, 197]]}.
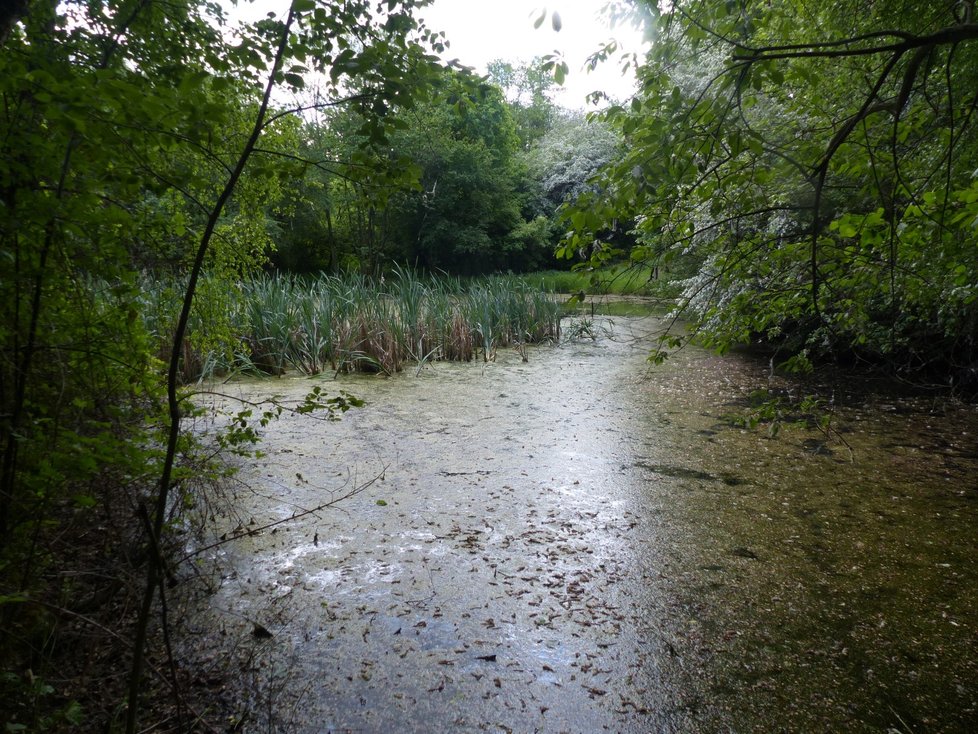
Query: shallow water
{"points": [[578, 544]]}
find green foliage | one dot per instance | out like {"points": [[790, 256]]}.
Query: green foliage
{"points": [[39, 708], [453, 188], [466, 208], [527, 87], [243, 430], [819, 183], [583, 327], [353, 323], [776, 411], [137, 145], [628, 280]]}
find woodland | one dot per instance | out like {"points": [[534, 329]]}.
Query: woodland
{"points": [[800, 175]]}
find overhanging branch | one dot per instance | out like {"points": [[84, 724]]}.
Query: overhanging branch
{"points": [[849, 47]]}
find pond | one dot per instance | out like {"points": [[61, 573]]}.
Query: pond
{"points": [[581, 543]]}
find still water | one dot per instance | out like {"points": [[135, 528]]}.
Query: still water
{"points": [[578, 543]]}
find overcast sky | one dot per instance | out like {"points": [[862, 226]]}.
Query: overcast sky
{"points": [[480, 32]]}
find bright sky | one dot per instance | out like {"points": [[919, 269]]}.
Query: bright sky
{"points": [[480, 32]]}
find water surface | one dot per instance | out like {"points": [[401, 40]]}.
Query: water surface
{"points": [[577, 544]]}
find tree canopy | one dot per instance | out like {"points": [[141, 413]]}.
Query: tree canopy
{"points": [[817, 164], [469, 197], [143, 140]]}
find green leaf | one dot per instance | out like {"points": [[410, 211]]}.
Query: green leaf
{"points": [[560, 73], [85, 500], [74, 713]]}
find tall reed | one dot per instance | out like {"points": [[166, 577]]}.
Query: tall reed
{"points": [[350, 323]]}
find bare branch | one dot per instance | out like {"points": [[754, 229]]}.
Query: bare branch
{"points": [[845, 48]]}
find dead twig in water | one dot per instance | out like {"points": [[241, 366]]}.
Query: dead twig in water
{"points": [[294, 516]]}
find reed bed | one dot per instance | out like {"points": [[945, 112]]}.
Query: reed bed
{"points": [[275, 323]]}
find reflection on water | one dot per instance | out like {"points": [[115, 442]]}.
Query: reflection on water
{"points": [[576, 544]]}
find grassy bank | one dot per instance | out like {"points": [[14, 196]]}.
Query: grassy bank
{"points": [[351, 323], [623, 280]]}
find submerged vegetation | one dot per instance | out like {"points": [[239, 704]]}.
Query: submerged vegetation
{"points": [[351, 323]]}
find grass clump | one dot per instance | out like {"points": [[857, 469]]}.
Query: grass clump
{"points": [[352, 323]]}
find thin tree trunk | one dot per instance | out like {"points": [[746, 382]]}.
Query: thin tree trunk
{"points": [[173, 399]]}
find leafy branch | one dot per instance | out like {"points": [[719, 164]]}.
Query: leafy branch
{"points": [[241, 531]]}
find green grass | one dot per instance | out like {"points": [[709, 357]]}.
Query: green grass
{"points": [[624, 280], [350, 323]]}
